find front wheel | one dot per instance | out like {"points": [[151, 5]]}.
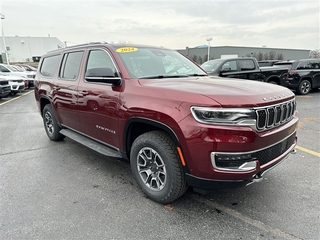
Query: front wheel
{"points": [[156, 167], [51, 124], [304, 87]]}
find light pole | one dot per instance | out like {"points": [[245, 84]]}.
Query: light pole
{"points": [[209, 39], [4, 43]]}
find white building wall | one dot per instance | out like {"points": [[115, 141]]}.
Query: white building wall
{"points": [[22, 49]]}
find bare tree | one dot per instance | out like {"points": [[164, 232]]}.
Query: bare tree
{"points": [[314, 53], [272, 55], [200, 61], [280, 56], [194, 58]]}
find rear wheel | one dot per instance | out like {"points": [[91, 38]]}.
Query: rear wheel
{"points": [[304, 87], [156, 167], [51, 124]]}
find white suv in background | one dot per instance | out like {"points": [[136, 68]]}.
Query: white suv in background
{"points": [[11, 70]]}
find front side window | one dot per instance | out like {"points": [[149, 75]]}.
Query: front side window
{"points": [[49, 65], [229, 66], [71, 65], [100, 59]]}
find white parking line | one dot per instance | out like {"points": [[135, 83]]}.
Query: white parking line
{"points": [[15, 98]]}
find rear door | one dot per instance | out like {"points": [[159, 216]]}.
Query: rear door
{"points": [[65, 89]]}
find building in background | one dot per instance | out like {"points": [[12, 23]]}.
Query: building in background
{"points": [[30, 49], [27, 49], [200, 54]]}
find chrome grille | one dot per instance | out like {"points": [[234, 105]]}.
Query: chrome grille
{"points": [[272, 116]]}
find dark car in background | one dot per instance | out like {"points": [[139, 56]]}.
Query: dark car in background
{"points": [[244, 68], [267, 63], [303, 75]]}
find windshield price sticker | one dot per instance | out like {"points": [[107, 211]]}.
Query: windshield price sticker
{"points": [[126, 49]]}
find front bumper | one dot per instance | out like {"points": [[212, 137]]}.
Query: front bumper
{"points": [[17, 88], [218, 155], [255, 175]]}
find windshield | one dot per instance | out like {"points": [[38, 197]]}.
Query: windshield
{"points": [[210, 66], [14, 69], [150, 62]]}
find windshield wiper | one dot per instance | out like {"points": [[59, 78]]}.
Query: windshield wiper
{"points": [[164, 76], [197, 75]]}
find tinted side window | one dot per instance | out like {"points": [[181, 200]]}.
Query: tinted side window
{"points": [[71, 65], [308, 65], [49, 65], [247, 65], [315, 65], [229, 66], [100, 59]]}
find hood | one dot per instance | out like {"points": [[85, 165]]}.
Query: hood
{"points": [[225, 91], [10, 77]]}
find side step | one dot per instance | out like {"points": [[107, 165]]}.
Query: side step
{"points": [[94, 145]]}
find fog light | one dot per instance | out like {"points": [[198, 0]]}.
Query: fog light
{"points": [[233, 162]]}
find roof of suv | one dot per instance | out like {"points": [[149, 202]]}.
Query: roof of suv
{"points": [[114, 45]]}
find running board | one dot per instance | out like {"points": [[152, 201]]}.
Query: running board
{"points": [[94, 145]]}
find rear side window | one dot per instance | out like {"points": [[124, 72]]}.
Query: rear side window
{"points": [[71, 65], [49, 65], [247, 65], [308, 65]]}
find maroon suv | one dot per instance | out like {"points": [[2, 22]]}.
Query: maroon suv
{"points": [[156, 108]]}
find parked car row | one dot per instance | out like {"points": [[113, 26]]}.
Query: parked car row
{"points": [[15, 79], [299, 75]]}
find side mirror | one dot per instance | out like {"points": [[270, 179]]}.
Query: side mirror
{"points": [[103, 75], [224, 70]]}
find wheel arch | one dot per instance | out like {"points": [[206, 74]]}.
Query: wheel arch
{"points": [[274, 79], [44, 100], [136, 126]]}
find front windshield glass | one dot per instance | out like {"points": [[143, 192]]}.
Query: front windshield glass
{"points": [[210, 66], [147, 62], [14, 69]]}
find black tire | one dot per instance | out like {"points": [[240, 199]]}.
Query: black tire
{"points": [[156, 167], [304, 87], [51, 124]]}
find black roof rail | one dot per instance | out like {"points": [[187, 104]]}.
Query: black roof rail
{"points": [[85, 44], [79, 45]]}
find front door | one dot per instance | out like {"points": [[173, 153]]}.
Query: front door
{"points": [[98, 102]]}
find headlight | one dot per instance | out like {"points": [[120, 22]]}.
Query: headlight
{"points": [[228, 116]]}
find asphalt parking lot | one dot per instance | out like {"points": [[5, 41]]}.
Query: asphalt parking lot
{"points": [[62, 190]]}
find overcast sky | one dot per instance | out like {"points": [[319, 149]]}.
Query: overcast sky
{"points": [[173, 24]]}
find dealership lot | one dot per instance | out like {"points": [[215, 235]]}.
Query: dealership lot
{"points": [[54, 190]]}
